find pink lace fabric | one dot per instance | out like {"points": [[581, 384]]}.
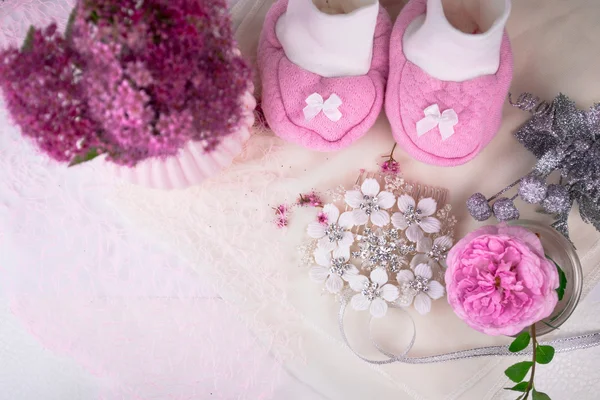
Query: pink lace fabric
{"points": [[135, 316]]}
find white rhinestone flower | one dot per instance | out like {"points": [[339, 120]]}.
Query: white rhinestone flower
{"points": [[419, 287], [373, 293], [370, 203], [332, 271], [332, 231], [416, 218], [432, 252]]}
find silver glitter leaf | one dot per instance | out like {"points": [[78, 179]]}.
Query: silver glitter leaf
{"points": [[567, 139], [561, 225]]}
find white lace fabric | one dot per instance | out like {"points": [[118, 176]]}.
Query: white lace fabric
{"points": [[294, 307], [223, 229], [16, 16], [256, 268]]}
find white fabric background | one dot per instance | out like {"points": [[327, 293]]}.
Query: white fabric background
{"points": [[89, 310], [293, 311], [105, 309]]}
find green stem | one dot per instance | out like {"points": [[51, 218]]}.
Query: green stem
{"points": [[534, 343]]}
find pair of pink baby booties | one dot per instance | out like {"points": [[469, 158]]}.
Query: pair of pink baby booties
{"points": [[410, 90]]}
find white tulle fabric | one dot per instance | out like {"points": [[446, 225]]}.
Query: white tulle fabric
{"points": [[136, 316], [133, 314]]}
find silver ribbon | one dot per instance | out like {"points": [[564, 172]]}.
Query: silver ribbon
{"points": [[561, 345]]}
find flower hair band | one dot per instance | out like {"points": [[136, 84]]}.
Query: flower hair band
{"points": [[383, 242]]}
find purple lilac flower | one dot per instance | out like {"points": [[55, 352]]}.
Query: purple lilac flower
{"points": [[43, 93], [140, 79]]}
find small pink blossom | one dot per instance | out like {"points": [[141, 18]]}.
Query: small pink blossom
{"points": [[499, 281], [390, 167], [282, 215], [311, 199], [322, 218]]}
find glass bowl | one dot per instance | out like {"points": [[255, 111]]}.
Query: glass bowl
{"points": [[559, 249]]}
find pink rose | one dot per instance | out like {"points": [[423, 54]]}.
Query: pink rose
{"points": [[499, 281]]}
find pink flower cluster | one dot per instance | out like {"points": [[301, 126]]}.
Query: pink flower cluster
{"points": [[132, 79], [311, 199], [499, 281], [282, 215], [390, 167], [43, 94], [283, 212]]}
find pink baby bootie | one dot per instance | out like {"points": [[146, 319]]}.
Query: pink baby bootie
{"points": [[324, 67], [446, 88]]}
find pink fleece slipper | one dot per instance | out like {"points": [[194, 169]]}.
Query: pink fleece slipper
{"points": [[438, 121], [335, 104]]}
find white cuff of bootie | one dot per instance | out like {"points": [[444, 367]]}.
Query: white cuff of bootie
{"points": [[325, 44], [446, 53]]}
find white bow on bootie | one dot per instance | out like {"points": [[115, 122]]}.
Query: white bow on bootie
{"points": [[329, 107], [433, 118]]}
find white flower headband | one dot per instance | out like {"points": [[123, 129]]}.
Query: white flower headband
{"points": [[403, 231]]}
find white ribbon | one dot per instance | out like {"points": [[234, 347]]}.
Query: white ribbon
{"points": [[433, 118], [562, 345], [329, 107]]}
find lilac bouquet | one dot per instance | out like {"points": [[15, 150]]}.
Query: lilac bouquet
{"points": [[132, 79]]}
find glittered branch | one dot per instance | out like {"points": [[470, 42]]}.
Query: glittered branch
{"points": [[531, 103], [563, 138]]}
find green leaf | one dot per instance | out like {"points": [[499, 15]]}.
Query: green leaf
{"points": [[562, 283], [69, 28], [520, 343], [90, 155], [519, 387], [28, 43], [517, 372], [94, 17], [540, 396], [562, 280], [544, 354]]}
